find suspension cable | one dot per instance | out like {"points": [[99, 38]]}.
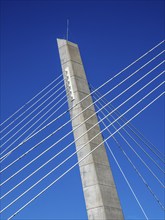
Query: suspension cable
{"points": [[94, 91], [114, 77], [92, 103], [127, 134], [35, 121], [39, 126], [116, 163], [60, 165], [135, 132], [80, 123], [121, 126], [30, 100], [145, 140], [134, 167], [49, 116], [90, 140], [124, 119], [68, 170], [31, 112], [129, 185]]}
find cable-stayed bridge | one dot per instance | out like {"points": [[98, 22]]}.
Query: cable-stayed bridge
{"points": [[37, 142]]}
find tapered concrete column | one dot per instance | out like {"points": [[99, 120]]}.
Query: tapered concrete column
{"points": [[100, 193]]}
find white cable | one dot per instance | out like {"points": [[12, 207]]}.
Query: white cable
{"points": [[30, 100], [111, 78], [134, 167], [130, 137], [82, 159], [30, 108], [79, 124], [49, 117], [123, 119], [150, 148], [40, 124], [145, 140], [126, 180], [90, 104], [53, 158], [27, 117], [82, 135], [136, 170], [37, 119], [121, 126]]}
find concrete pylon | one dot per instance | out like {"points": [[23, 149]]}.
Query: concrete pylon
{"points": [[102, 202]]}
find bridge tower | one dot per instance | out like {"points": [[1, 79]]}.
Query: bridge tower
{"points": [[102, 202]]}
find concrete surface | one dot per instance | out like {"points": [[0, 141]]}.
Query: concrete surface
{"points": [[102, 202]]}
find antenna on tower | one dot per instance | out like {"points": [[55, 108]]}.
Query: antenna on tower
{"points": [[67, 29]]}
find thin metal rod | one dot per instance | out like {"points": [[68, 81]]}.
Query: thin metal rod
{"points": [[92, 138], [39, 119], [96, 101], [67, 30], [112, 78], [129, 126], [82, 122], [124, 176], [137, 171], [56, 180], [72, 155], [128, 135], [30, 101], [27, 110]]}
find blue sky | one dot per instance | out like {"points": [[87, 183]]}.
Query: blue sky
{"points": [[111, 35]]}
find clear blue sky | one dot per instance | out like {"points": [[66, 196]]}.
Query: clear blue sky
{"points": [[111, 35]]}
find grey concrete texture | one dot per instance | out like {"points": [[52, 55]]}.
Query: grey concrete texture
{"points": [[101, 199]]}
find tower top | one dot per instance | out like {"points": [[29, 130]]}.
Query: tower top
{"points": [[63, 42]]}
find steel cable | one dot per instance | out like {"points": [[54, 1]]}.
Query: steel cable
{"points": [[68, 170]]}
